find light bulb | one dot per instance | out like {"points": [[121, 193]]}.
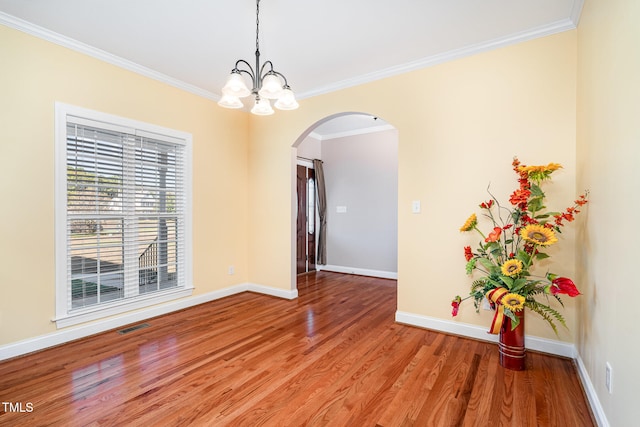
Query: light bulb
{"points": [[236, 86], [262, 107]]}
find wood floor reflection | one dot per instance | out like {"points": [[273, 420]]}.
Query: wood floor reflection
{"points": [[332, 357]]}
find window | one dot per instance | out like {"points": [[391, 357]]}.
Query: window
{"points": [[123, 237], [311, 205]]}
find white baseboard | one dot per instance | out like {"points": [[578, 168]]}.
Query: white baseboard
{"points": [[276, 292], [558, 348], [592, 396], [359, 271], [62, 336]]}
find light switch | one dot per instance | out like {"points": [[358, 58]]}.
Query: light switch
{"points": [[415, 206], [341, 209]]}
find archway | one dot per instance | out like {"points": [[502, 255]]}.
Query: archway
{"points": [[363, 232]]}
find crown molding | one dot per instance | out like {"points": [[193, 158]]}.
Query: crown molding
{"points": [[576, 12], [429, 61], [59, 39], [353, 132]]}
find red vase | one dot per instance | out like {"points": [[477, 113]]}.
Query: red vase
{"points": [[511, 346]]}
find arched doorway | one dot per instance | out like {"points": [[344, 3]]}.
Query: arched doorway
{"points": [[359, 151]]}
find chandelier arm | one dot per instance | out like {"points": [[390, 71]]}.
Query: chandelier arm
{"points": [[286, 84], [262, 73], [250, 72]]}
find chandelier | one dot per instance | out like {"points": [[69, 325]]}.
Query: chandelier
{"points": [[267, 84]]}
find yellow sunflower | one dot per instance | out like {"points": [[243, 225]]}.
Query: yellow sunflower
{"points": [[540, 173], [538, 234], [471, 222], [512, 267], [513, 302]]}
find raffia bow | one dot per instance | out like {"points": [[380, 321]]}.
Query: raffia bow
{"points": [[495, 296]]}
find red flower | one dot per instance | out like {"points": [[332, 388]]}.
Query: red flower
{"points": [[494, 235], [515, 163], [528, 248], [508, 226], [558, 219], [467, 253], [582, 200], [456, 305], [564, 285], [486, 205]]}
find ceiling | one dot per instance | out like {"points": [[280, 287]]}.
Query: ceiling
{"points": [[320, 46]]}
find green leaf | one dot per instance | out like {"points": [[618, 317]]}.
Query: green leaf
{"points": [[549, 314], [523, 256], [541, 255], [535, 204], [491, 246], [514, 319], [519, 284], [536, 191], [507, 281], [487, 264]]}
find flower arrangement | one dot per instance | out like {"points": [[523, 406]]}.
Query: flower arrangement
{"points": [[506, 256]]}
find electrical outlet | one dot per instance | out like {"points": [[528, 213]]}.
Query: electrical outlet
{"points": [[608, 378], [232, 270]]}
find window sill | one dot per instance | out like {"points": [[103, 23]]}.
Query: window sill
{"points": [[119, 307]]}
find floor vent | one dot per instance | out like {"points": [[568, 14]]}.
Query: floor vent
{"points": [[133, 328]]}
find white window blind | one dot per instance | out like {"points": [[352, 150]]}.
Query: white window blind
{"points": [[126, 210]]}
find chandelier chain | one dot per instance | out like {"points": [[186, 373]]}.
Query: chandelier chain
{"points": [[257, 25], [267, 83]]}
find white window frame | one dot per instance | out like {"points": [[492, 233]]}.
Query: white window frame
{"points": [[64, 316]]}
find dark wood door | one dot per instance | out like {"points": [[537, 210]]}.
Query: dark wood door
{"points": [[305, 228]]}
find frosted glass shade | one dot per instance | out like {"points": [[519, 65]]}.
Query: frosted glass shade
{"points": [[271, 87], [229, 101], [287, 100], [236, 86], [262, 107]]}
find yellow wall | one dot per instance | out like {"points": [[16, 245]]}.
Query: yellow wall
{"points": [[609, 164], [460, 124], [34, 74]]}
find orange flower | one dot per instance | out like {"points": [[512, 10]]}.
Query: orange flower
{"points": [[520, 197], [494, 235]]}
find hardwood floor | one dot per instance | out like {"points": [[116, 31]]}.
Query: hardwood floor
{"points": [[332, 357]]}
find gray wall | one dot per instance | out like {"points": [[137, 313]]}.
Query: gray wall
{"points": [[361, 174]]}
